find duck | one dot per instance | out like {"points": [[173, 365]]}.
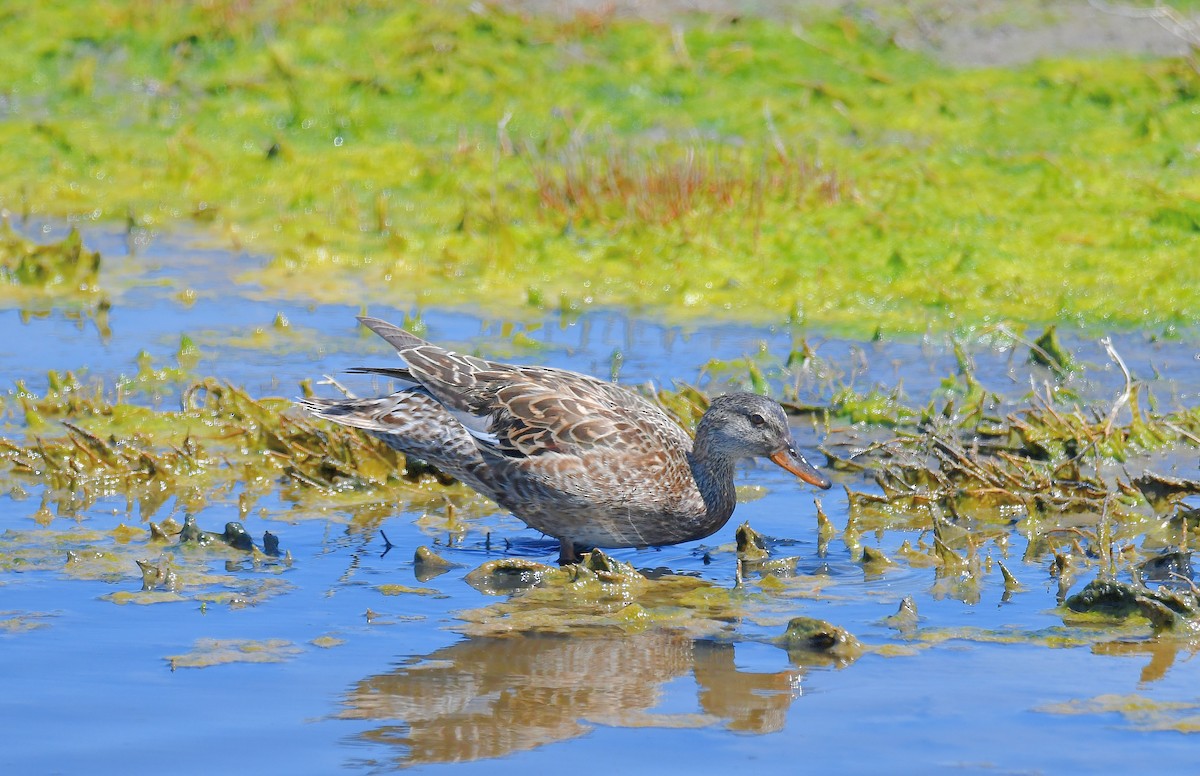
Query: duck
{"points": [[585, 461]]}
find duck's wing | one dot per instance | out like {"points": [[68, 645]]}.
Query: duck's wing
{"points": [[524, 411], [549, 411]]}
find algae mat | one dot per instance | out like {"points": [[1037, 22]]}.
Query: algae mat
{"points": [[747, 168]]}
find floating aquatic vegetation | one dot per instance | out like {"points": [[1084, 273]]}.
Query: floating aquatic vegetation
{"points": [[1053, 468], [63, 277], [22, 622], [1139, 711], [596, 593], [754, 555], [63, 269], [158, 576], [1096, 635], [906, 619], [66, 396], [874, 560], [213, 652], [1047, 351], [235, 535], [960, 478], [599, 595], [163, 569], [751, 545], [395, 589]]}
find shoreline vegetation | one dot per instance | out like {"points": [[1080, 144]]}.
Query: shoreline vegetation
{"points": [[715, 167]]}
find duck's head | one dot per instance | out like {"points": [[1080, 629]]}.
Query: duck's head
{"points": [[746, 425]]}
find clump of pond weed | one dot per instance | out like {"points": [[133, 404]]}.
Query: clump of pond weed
{"points": [[64, 266], [221, 440], [38, 275], [973, 464]]}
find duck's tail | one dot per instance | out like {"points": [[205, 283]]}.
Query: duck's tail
{"points": [[395, 336], [368, 414]]}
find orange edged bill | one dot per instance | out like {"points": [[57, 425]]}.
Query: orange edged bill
{"points": [[788, 458]]}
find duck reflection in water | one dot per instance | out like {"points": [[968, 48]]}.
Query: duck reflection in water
{"points": [[489, 696]]}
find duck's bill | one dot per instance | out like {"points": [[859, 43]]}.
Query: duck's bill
{"points": [[791, 460]]}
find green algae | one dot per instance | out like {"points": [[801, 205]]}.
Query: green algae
{"points": [[206, 653], [596, 595], [13, 623], [1048, 352], [1057, 637], [1139, 711], [62, 275], [807, 636], [906, 619], [757, 170], [427, 564], [395, 589], [600, 595], [1169, 611], [221, 441], [751, 545], [64, 268], [144, 598]]}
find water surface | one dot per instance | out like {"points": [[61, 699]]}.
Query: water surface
{"points": [[370, 682]]}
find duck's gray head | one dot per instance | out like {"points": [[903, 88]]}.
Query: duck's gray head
{"points": [[746, 425]]}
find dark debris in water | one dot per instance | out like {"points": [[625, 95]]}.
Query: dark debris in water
{"points": [[168, 565]]}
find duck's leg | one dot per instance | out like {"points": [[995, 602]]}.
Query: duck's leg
{"points": [[567, 552]]}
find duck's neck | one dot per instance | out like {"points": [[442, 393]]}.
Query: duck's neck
{"points": [[713, 473]]}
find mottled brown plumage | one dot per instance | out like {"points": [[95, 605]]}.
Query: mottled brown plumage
{"points": [[580, 459]]}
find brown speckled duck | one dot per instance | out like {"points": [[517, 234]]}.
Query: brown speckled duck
{"points": [[585, 461]]}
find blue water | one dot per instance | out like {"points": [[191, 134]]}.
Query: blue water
{"points": [[93, 691]]}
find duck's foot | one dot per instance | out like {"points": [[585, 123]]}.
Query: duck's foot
{"points": [[568, 552]]}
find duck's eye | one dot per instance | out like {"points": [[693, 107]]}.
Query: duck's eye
{"points": [[757, 420]]}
